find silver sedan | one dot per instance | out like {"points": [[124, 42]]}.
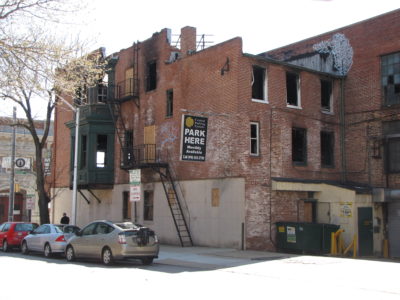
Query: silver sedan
{"points": [[48, 239], [110, 241]]}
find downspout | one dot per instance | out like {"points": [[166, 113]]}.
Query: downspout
{"points": [[270, 178], [342, 131]]}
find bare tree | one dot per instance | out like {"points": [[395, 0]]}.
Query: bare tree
{"points": [[36, 65]]}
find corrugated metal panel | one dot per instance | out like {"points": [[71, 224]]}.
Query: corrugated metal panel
{"points": [[394, 229]]}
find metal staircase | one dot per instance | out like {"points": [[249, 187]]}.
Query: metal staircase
{"points": [[175, 206]]}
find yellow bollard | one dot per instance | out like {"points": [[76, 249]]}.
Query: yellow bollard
{"points": [[385, 248], [355, 246], [333, 244]]}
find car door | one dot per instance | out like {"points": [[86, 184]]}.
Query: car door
{"points": [[101, 238], [3, 232], [83, 244], [36, 240]]}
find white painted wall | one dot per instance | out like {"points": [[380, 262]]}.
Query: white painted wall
{"points": [[210, 226]]}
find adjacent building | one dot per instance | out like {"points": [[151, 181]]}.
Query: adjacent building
{"points": [[25, 203], [213, 146]]}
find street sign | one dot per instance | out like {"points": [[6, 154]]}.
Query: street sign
{"points": [[135, 182]]}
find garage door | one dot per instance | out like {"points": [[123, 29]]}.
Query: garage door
{"points": [[394, 228]]}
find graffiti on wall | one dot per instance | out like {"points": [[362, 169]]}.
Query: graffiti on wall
{"points": [[340, 49]]}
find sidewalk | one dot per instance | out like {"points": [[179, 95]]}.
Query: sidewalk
{"points": [[213, 258]]}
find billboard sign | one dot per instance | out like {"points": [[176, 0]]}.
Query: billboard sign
{"points": [[194, 138]]}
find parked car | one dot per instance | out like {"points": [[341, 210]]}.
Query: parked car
{"points": [[109, 241], [12, 233], [48, 239]]}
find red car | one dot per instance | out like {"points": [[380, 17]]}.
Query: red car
{"points": [[12, 233]]}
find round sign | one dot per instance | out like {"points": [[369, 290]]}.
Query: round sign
{"points": [[20, 162]]}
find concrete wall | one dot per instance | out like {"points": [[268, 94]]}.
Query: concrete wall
{"points": [[219, 226]]}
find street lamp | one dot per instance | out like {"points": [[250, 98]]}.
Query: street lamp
{"points": [[75, 177]]}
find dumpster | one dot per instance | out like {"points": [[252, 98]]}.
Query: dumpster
{"points": [[303, 237]]}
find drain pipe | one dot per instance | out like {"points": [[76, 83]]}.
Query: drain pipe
{"points": [[342, 131]]}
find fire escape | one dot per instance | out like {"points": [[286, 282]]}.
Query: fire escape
{"points": [[144, 156]]}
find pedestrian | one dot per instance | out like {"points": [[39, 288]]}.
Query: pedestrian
{"points": [[65, 219]]}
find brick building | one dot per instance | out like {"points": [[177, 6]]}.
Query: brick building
{"points": [[240, 141]]}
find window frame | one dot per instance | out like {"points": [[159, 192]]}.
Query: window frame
{"points": [[98, 150], [302, 162], [389, 63], [151, 75], [298, 90], [263, 84], [390, 139], [330, 154], [169, 103], [256, 139], [324, 108], [148, 206]]}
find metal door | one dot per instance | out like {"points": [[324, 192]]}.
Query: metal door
{"points": [[365, 231], [394, 228]]}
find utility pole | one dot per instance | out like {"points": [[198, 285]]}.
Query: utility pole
{"points": [[12, 165]]}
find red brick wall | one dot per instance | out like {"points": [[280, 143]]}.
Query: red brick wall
{"points": [[363, 97]]}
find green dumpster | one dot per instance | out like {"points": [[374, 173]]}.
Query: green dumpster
{"points": [[303, 237]]}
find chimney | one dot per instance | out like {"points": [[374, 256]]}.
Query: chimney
{"points": [[188, 40]]}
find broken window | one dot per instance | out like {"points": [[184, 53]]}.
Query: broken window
{"points": [[390, 70], [258, 84], [128, 148], [148, 203], [327, 144], [326, 95], [170, 103], [254, 138], [83, 151], [293, 89], [393, 155], [151, 78], [101, 93], [101, 151], [299, 146]]}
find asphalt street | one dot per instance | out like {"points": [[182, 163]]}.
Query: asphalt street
{"points": [[199, 273]]}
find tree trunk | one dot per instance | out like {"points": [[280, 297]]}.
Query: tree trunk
{"points": [[44, 198]]}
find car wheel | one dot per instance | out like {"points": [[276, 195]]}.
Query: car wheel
{"points": [[147, 260], [47, 250], [24, 248], [5, 246], [70, 253], [107, 256]]}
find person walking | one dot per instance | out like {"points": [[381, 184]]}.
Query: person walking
{"points": [[65, 219]]}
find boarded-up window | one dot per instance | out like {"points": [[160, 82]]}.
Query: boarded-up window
{"points": [[215, 197]]}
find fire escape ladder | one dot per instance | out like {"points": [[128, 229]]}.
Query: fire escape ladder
{"points": [[174, 203], [115, 109]]}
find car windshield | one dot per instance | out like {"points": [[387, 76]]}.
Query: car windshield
{"points": [[24, 227], [127, 225]]}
